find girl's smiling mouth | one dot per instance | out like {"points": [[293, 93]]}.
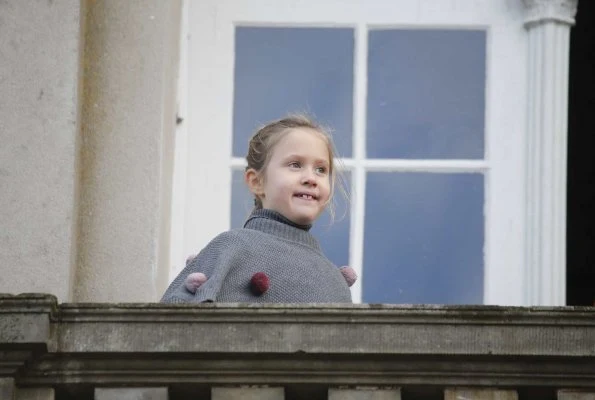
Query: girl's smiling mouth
{"points": [[306, 196]]}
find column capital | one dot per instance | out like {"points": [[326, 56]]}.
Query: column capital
{"points": [[537, 11]]}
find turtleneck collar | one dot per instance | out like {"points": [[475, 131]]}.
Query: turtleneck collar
{"points": [[274, 223]]}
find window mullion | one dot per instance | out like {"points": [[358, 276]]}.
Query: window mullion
{"points": [[358, 180]]}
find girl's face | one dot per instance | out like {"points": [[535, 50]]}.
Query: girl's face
{"points": [[297, 178]]}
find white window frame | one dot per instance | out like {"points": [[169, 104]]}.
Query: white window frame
{"points": [[202, 182]]}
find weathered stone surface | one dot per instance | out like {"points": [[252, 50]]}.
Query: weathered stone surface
{"points": [[364, 394], [23, 328], [247, 393], [26, 318], [297, 346], [131, 394], [40, 50], [35, 394], [576, 395], [479, 394], [7, 388], [333, 329]]}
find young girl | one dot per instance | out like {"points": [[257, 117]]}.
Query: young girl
{"points": [[274, 258]]}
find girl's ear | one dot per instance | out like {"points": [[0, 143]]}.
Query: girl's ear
{"points": [[254, 182]]}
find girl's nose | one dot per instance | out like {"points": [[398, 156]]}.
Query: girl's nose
{"points": [[309, 178]]}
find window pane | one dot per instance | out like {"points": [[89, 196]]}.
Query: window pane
{"points": [[426, 94], [333, 236], [242, 201], [424, 238], [283, 70]]}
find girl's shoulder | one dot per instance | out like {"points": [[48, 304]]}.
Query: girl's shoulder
{"points": [[226, 246], [236, 236]]}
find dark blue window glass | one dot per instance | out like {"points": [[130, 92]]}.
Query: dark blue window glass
{"points": [[242, 201], [333, 236], [287, 70], [426, 94], [424, 238]]}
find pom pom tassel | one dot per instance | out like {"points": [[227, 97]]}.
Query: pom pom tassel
{"points": [[259, 283], [349, 275], [194, 281]]}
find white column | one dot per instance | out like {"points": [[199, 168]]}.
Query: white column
{"points": [[7, 388], [362, 393], [247, 393], [576, 395], [35, 394], [128, 124], [548, 24], [131, 393], [479, 394]]}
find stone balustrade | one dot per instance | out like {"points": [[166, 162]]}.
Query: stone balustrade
{"points": [[149, 351]]}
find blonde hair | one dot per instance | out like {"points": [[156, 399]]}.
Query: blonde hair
{"points": [[263, 142]]}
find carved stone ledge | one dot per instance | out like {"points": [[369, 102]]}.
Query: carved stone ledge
{"points": [[25, 318], [25, 329], [550, 10], [45, 345]]}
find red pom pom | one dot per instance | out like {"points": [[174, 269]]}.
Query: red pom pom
{"points": [[259, 283]]}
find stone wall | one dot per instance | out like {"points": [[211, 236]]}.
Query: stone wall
{"points": [[40, 53], [87, 122]]}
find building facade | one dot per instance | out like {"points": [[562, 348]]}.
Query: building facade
{"points": [[124, 126]]}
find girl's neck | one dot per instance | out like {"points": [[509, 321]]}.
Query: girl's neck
{"points": [[277, 216], [273, 223]]}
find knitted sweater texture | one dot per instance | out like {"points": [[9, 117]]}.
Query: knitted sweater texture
{"points": [[287, 253]]}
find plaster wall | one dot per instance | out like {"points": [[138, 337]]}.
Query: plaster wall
{"points": [[87, 123], [40, 54]]}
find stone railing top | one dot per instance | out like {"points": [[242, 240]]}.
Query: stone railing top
{"points": [[83, 342], [321, 312], [364, 328]]}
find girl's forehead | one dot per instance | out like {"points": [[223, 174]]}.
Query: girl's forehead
{"points": [[304, 140], [304, 136]]}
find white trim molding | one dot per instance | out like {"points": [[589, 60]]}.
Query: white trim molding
{"points": [[548, 24], [209, 85]]}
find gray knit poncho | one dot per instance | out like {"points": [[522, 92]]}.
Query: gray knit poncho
{"points": [[287, 253]]}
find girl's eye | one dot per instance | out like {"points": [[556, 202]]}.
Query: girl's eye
{"points": [[294, 164], [321, 170]]}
